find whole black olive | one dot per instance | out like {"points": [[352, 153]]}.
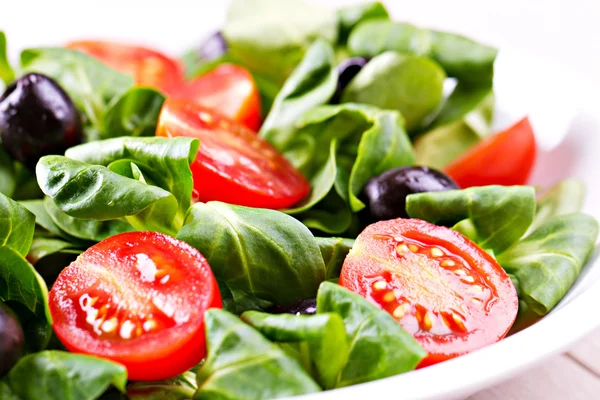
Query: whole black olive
{"points": [[11, 339], [306, 307], [347, 70], [37, 118], [385, 195], [213, 47]]}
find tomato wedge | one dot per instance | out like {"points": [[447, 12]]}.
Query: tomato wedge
{"points": [[148, 67], [233, 164], [452, 296], [506, 158], [136, 298], [230, 90]]}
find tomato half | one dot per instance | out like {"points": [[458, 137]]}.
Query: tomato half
{"points": [[148, 67], [452, 296], [506, 158], [230, 90], [233, 164], [136, 298]]}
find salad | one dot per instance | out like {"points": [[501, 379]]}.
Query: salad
{"points": [[311, 199]]}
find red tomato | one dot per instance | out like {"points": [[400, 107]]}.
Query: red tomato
{"points": [[233, 165], [137, 298], [230, 90], [452, 296], [148, 67], [506, 158]]}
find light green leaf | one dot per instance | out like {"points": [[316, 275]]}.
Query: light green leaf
{"points": [[8, 181], [563, 198], [16, 225], [6, 72], [350, 16], [334, 251]]}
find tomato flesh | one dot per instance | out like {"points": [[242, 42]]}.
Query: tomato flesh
{"points": [[452, 296], [507, 158], [228, 89], [233, 164], [148, 67], [137, 298]]}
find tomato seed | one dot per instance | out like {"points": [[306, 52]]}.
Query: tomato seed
{"points": [[126, 329], [205, 117], [476, 289], [110, 325], [413, 248], [389, 297], [469, 279], [435, 252], [401, 249], [475, 301], [459, 322], [399, 311], [379, 285], [460, 272], [448, 263], [427, 324]]}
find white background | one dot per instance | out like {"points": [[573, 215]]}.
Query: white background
{"points": [[567, 32]]}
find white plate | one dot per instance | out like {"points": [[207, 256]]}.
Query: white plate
{"points": [[567, 127]]}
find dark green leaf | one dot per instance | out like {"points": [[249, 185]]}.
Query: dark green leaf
{"points": [[352, 15], [166, 162], [379, 346], [181, 387], [500, 214], [88, 191], [548, 261], [242, 364], [20, 282], [44, 220], [325, 334], [27, 184], [334, 252], [245, 245], [410, 84], [563, 198], [134, 113], [462, 58], [332, 215], [36, 328], [58, 375], [6, 72], [311, 84], [90, 84], [84, 229], [8, 181], [16, 225], [270, 37], [464, 120]]}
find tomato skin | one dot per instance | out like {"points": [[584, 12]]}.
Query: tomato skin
{"points": [[148, 67], [453, 302], [158, 305], [507, 158], [233, 164], [230, 90]]}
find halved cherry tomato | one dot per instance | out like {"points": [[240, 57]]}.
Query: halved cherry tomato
{"points": [[147, 67], [452, 296], [233, 164], [228, 89], [137, 298], [506, 158]]}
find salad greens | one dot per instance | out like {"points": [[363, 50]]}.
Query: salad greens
{"points": [[350, 16], [16, 225]]}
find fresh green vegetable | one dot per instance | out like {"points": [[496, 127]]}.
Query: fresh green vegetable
{"points": [[463, 121], [563, 198], [462, 58], [244, 245], [8, 181], [181, 387], [90, 84], [16, 225], [378, 346], [57, 375], [334, 252], [134, 113], [311, 84], [43, 247], [546, 263], [6, 72], [500, 214], [410, 84], [270, 37], [324, 334], [242, 364], [350, 16]]}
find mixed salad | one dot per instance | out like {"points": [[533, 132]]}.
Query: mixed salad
{"points": [[310, 199]]}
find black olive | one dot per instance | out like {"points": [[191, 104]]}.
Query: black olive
{"points": [[213, 47], [37, 118], [385, 195], [306, 307], [347, 70], [11, 339]]}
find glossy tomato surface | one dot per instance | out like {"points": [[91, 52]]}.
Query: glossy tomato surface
{"points": [[452, 296], [137, 298], [230, 90], [507, 158], [233, 164], [148, 67]]}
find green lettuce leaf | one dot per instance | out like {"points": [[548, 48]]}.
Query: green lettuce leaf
{"points": [[7, 74], [350, 16], [334, 251], [17, 225], [563, 198]]}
